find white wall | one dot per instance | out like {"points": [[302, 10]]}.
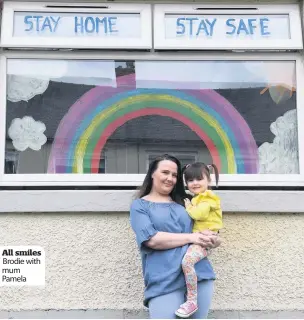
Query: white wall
{"points": [[92, 262]]}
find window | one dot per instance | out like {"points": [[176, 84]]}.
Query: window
{"points": [[225, 27], [72, 25], [69, 119], [11, 161]]}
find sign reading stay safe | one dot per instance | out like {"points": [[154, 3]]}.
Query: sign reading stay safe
{"points": [[227, 27], [189, 27]]}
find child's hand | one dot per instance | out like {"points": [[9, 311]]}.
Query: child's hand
{"points": [[187, 202]]}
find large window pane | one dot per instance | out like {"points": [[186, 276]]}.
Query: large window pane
{"points": [[77, 116]]}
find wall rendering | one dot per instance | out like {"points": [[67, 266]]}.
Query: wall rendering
{"points": [[92, 262]]}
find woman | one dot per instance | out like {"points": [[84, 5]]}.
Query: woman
{"points": [[163, 232]]}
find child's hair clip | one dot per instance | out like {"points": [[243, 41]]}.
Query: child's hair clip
{"points": [[185, 167], [213, 167]]}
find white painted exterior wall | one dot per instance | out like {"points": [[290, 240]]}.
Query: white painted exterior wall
{"points": [[92, 262]]}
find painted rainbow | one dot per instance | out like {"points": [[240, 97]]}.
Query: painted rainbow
{"points": [[85, 129]]}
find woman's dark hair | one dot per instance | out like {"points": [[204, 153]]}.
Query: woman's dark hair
{"points": [[199, 170], [178, 193]]}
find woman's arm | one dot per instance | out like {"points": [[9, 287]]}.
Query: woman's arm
{"points": [[147, 235], [166, 240]]}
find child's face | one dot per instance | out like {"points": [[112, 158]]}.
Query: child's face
{"points": [[197, 186]]}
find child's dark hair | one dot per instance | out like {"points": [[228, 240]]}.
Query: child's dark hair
{"points": [[199, 170]]}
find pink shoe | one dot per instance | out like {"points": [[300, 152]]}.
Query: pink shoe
{"points": [[186, 309]]}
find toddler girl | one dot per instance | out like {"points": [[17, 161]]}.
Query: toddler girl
{"points": [[205, 210]]}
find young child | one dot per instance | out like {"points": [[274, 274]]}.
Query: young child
{"points": [[205, 210]]}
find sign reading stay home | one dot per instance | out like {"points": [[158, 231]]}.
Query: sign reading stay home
{"points": [[76, 25], [37, 24]]}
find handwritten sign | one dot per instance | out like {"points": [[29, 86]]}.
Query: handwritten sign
{"points": [[227, 26], [37, 24]]}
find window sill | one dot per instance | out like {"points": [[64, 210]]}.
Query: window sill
{"points": [[119, 201]]}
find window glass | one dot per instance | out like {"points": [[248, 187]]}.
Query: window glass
{"points": [[11, 161], [89, 116]]}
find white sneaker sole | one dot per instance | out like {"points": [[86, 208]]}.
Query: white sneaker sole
{"points": [[185, 316]]}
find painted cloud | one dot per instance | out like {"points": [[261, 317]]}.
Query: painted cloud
{"points": [[26, 79], [27, 133], [23, 88], [281, 156]]}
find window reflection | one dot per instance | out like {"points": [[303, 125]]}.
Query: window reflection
{"points": [[89, 116]]}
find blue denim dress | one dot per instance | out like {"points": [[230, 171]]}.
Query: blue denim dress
{"points": [[162, 269]]}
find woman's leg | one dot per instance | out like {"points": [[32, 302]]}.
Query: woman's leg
{"points": [[205, 293], [164, 307]]}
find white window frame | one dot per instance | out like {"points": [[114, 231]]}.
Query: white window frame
{"points": [[8, 40], [160, 41], [239, 180]]}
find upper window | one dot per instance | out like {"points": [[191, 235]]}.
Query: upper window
{"points": [[74, 25], [113, 117], [222, 27]]}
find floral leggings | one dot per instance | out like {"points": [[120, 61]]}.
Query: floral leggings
{"points": [[194, 254]]}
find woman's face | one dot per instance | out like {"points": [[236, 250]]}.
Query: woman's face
{"points": [[164, 177]]}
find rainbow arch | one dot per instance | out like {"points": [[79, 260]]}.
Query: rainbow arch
{"points": [[85, 129]]}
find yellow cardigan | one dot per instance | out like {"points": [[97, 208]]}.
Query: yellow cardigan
{"points": [[205, 210]]}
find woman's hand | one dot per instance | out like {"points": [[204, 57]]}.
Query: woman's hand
{"points": [[201, 239], [217, 241], [214, 237]]}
